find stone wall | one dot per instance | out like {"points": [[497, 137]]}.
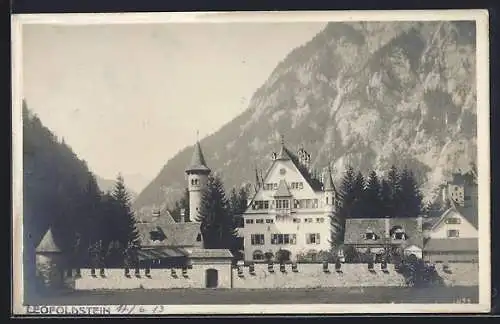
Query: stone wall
{"points": [[158, 279], [308, 276]]}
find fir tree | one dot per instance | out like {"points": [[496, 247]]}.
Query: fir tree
{"points": [[372, 198], [358, 194], [217, 225], [393, 180], [347, 193], [125, 218], [180, 205], [410, 196], [385, 198]]}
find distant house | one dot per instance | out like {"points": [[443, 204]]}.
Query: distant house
{"points": [[378, 234], [453, 237]]}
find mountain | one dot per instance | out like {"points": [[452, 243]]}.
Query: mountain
{"points": [[106, 185], [368, 94], [56, 187]]}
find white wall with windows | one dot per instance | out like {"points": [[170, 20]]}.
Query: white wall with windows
{"points": [[453, 225]]}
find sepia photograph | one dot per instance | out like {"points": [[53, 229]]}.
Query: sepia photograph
{"points": [[284, 162]]}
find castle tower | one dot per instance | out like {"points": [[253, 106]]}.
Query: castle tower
{"points": [[330, 193], [197, 173], [49, 261]]}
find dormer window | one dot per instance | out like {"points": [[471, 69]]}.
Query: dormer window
{"points": [[157, 235], [397, 233], [369, 235]]}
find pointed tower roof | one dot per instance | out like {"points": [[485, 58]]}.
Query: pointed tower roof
{"points": [[328, 186], [282, 190], [198, 163], [47, 244], [284, 154]]}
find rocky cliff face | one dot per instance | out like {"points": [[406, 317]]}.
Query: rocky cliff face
{"points": [[368, 94]]}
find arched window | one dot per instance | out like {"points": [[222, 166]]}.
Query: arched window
{"points": [[369, 235], [258, 255]]}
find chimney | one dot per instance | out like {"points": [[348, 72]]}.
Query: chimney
{"points": [[156, 214], [387, 226], [420, 222], [183, 216]]}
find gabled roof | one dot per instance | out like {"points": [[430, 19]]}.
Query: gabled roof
{"points": [[175, 234], [452, 245], [198, 163], [468, 213], [47, 244], [356, 228], [282, 190]]}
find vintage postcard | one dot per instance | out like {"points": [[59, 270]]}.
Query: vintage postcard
{"points": [[257, 162]]}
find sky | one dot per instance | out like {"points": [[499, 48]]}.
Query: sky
{"points": [[127, 98]]}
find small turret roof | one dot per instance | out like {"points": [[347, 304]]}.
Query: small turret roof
{"points": [[283, 154], [198, 160], [47, 244], [329, 186], [282, 190]]}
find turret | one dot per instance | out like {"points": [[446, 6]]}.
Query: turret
{"points": [[330, 194], [197, 173]]}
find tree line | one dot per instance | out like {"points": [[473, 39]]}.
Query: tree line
{"points": [[60, 193], [397, 195]]}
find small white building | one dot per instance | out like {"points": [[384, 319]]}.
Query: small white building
{"points": [[290, 211]]}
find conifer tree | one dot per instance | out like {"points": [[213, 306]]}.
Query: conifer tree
{"points": [[393, 179], [358, 193], [126, 222], [372, 198], [410, 196], [181, 204], [217, 225], [385, 198], [347, 193]]}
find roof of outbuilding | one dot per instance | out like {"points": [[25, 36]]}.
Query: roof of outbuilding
{"points": [[356, 228], [452, 245]]}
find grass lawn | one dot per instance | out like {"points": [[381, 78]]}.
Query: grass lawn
{"points": [[261, 296]]}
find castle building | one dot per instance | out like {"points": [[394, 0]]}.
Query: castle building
{"points": [[290, 210], [462, 189]]}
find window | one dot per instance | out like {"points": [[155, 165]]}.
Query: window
{"points": [[157, 235], [249, 221], [452, 220], [308, 220], [399, 236], [198, 237], [296, 203], [327, 200], [269, 221], [320, 220], [257, 239], [296, 220], [315, 203], [266, 204], [259, 221], [258, 255], [275, 186], [312, 238], [301, 185], [282, 204], [453, 233], [284, 239]]}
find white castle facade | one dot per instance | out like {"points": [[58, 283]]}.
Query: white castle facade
{"points": [[290, 211]]}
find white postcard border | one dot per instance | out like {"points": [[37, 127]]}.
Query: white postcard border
{"points": [[483, 144]]}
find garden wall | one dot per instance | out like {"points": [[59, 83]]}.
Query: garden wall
{"points": [[308, 276], [158, 279]]}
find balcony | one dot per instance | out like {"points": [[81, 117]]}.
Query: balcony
{"points": [[283, 212]]}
